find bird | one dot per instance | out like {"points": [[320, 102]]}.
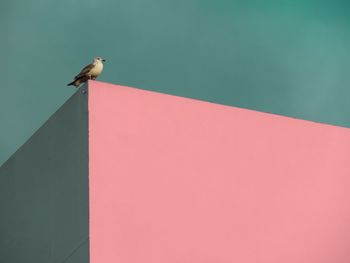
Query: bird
{"points": [[91, 71]]}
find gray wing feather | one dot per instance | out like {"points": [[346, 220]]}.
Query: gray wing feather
{"points": [[84, 71]]}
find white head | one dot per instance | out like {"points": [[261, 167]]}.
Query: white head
{"points": [[99, 59]]}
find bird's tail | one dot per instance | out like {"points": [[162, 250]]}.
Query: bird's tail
{"points": [[75, 82]]}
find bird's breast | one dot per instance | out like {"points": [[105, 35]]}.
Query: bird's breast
{"points": [[96, 70]]}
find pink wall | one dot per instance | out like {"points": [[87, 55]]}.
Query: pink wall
{"points": [[175, 180]]}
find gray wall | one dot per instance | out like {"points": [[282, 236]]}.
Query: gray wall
{"points": [[44, 192]]}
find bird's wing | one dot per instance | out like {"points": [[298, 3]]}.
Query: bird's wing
{"points": [[84, 71]]}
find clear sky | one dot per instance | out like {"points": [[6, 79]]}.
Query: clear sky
{"points": [[286, 57]]}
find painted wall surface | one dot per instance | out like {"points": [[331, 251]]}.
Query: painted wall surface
{"points": [[178, 180], [44, 192]]}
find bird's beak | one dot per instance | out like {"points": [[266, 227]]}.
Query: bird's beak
{"points": [[103, 60]]}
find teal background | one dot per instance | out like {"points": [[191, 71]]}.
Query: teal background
{"points": [[285, 57]]}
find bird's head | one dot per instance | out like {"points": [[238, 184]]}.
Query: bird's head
{"points": [[99, 59]]}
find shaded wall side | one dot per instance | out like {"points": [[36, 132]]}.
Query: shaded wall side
{"points": [[44, 192]]}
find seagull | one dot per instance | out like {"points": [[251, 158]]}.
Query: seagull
{"points": [[91, 71]]}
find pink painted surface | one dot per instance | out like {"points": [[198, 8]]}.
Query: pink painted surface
{"points": [[174, 180]]}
